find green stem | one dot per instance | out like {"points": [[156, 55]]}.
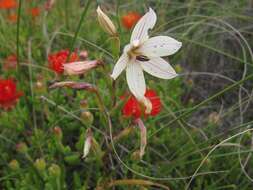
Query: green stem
{"points": [[17, 34], [230, 87], [79, 27], [66, 14]]}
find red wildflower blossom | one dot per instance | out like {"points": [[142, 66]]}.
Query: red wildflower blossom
{"points": [[10, 62], [35, 12], [8, 4], [13, 17], [57, 60], [130, 19], [135, 109], [8, 93]]}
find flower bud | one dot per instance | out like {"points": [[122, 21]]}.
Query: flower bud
{"points": [[55, 170], [84, 104], [81, 67], [40, 164], [58, 132], [214, 118], [74, 85], [21, 147], [87, 143], [14, 165], [87, 116], [106, 23]]}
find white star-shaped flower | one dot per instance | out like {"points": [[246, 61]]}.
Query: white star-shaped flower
{"points": [[144, 53]]}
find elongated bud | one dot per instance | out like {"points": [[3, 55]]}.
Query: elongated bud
{"points": [[87, 143], [106, 23], [74, 85], [81, 67], [143, 132]]}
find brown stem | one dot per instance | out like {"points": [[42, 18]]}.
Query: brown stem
{"points": [[136, 182]]}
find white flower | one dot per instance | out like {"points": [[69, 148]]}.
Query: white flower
{"points": [[106, 23], [144, 53]]}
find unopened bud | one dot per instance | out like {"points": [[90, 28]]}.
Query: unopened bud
{"points": [[74, 85], [40, 164], [55, 170], [87, 143], [87, 116], [106, 23], [57, 131], [214, 118], [84, 104], [81, 67], [14, 165], [22, 147]]}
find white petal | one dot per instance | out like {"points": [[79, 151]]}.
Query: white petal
{"points": [[160, 46], [135, 80], [158, 67], [140, 32], [120, 66]]}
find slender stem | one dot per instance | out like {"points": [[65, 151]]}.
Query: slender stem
{"points": [[118, 16], [230, 87], [79, 27], [17, 34], [66, 14], [136, 182]]}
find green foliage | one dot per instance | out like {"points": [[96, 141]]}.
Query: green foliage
{"points": [[42, 138]]}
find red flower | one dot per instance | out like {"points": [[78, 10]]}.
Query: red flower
{"points": [[57, 60], [8, 93], [135, 109], [10, 62], [12, 17], [130, 19], [8, 4], [35, 12]]}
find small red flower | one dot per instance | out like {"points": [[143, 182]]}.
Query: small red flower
{"points": [[130, 19], [35, 12], [8, 93], [56, 60], [8, 4], [12, 17], [10, 62], [135, 109]]}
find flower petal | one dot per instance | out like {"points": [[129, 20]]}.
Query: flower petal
{"points": [[140, 32], [158, 67], [120, 66], [160, 46], [135, 80]]}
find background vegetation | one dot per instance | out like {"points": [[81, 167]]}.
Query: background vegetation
{"points": [[201, 140]]}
